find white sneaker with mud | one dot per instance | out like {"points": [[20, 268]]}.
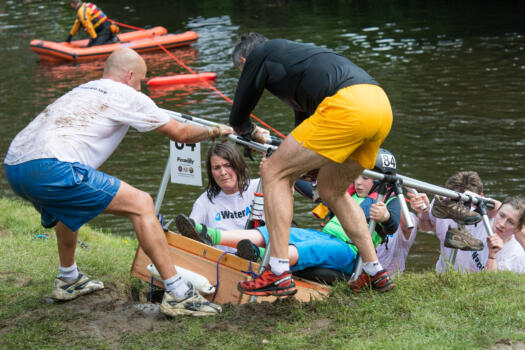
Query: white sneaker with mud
{"points": [[64, 290], [192, 303]]}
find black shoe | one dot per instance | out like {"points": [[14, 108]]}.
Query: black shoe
{"points": [[188, 228], [247, 250]]}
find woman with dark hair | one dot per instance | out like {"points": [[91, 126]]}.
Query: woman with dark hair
{"points": [[229, 195]]}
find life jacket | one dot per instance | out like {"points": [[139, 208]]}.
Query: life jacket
{"points": [[334, 228], [90, 17]]}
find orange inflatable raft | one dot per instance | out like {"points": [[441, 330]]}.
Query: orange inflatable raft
{"points": [[181, 79], [139, 40]]}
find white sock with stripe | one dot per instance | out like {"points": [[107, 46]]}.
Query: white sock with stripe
{"points": [[68, 274], [372, 267], [176, 286], [278, 265]]}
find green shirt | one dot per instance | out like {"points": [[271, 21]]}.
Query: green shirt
{"points": [[334, 228]]}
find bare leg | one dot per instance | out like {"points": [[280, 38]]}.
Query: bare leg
{"points": [[293, 255], [333, 180], [138, 207], [67, 243], [231, 238], [278, 173]]}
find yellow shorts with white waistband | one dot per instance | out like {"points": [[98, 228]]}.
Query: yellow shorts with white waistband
{"points": [[353, 123]]}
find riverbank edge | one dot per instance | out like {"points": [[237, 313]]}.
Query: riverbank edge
{"points": [[475, 311]]}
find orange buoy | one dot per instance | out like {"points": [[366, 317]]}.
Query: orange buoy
{"points": [[181, 79]]}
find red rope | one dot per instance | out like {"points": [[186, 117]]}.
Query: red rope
{"points": [[126, 25], [211, 87]]}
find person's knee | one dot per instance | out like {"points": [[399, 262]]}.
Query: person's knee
{"points": [[144, 203], [328, 193], [276, 170]]}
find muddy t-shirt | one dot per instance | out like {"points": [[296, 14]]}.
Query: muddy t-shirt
{"points": [[86, 124]]}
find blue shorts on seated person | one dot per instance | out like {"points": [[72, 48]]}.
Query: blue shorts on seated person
{"points": [[71, 193], [318, 249]]}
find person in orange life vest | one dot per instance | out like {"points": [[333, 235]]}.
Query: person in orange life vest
{"points": [[95, 23]]}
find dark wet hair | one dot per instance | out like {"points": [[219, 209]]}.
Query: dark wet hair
{"points": [[245, 46], [465, 180], [517, 203], [229, 152]]}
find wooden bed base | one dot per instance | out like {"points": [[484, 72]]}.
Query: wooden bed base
{"points": [[207, 260]]}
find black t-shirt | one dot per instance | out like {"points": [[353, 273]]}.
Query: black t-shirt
{"points": [[301, 75]]}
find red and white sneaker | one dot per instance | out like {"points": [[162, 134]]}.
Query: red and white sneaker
{"points": [[380, 282], [268, 283]]}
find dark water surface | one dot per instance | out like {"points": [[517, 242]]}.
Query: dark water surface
{"points": [[453, 70]]}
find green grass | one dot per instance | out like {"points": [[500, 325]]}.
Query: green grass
{"points": [[425, 311]]}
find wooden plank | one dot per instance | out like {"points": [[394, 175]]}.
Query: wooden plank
{"points": [[210, 253], [202, 259]]}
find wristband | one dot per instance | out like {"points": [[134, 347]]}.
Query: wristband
{"points": [[220, 129], [210, 132], [254, 131]]}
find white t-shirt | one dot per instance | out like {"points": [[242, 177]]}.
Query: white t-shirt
{"points": [[86, 124], [228, 211], [393, 255], [511, 257]]}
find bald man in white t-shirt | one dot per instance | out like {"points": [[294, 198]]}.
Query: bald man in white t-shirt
{"points": [[52, 163]]}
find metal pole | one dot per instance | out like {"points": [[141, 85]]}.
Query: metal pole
{"points": [[372, 226], [423, 186], [184, 118], [163, 185]]}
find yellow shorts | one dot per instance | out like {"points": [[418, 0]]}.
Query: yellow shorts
{"points": [[353, 123]]}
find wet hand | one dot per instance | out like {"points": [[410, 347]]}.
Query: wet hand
{"points": [[224, 130], [495, 244], [258, 134], [419, 201], [379, 212]]}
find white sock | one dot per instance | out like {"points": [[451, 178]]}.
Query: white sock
{"points": [[372, 267], [176, 286], [69, 274], [278, 265]]}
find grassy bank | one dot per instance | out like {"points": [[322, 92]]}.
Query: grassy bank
{"points": [[426, 310]]}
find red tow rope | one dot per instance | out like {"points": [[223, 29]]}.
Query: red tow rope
{"points": [[211, 87]]}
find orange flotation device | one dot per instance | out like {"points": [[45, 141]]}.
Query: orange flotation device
{"points": [[139, 40], [181, 79]]}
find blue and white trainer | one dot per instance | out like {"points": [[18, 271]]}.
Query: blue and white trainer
{"points": [[64, 291], [192, 303]]}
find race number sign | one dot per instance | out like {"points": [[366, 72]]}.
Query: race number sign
{"points": [[185, 164]]}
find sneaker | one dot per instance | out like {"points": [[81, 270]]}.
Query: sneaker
{"points": [[192, 303], [459, 238], [445, 208], [188, 228], [247, 250], [268, 283], [64, 290], [380, 282]]}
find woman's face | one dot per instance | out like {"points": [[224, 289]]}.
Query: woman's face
{"points": [[224, 174], [506, 221], [363, 185]]}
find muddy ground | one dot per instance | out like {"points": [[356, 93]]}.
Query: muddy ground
{"points": [[105, 315]]}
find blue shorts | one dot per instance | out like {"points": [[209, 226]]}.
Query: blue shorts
{"points": [[318, 249], [71, 193]]}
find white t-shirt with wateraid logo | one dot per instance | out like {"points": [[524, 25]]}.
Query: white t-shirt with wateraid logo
{"points": [[227, 211]]}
